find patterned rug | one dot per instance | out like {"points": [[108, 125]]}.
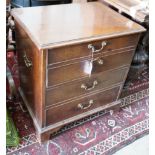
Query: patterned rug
{"points": [[100, 134]]}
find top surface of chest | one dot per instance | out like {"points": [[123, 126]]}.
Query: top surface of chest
{"points": [[50, 25]]}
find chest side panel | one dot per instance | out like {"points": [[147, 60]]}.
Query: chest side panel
{"points": [[31, 63]]}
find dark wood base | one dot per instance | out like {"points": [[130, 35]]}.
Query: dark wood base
{"points": [[44, 134]]}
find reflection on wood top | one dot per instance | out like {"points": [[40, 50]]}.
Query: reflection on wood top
{"points": [[60, 24]]}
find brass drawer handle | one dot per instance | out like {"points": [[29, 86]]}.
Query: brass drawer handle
{"points": [[83, 86], [28, 63], [83, 107], [103, 44]]}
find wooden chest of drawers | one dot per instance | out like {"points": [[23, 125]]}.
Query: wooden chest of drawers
{"points": [[73, 61]]}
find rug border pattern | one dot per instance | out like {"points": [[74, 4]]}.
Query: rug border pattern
{"points": [[113, 141], [32, 138]]}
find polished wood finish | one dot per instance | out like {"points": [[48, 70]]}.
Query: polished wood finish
{"points": [[87, 103], [137, 11], [70, 72], [53, 61], [31, 77], [81, 51], [81, 22], [74, 89]]}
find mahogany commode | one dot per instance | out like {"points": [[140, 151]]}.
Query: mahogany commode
{"points": [[73, 61]]}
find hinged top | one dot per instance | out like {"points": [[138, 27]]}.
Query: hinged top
{"points": [[56, 25]]}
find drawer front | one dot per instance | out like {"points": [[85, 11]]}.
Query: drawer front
{"points": [[85, 86], [60, 75], [80, 106], [66, 53]]}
